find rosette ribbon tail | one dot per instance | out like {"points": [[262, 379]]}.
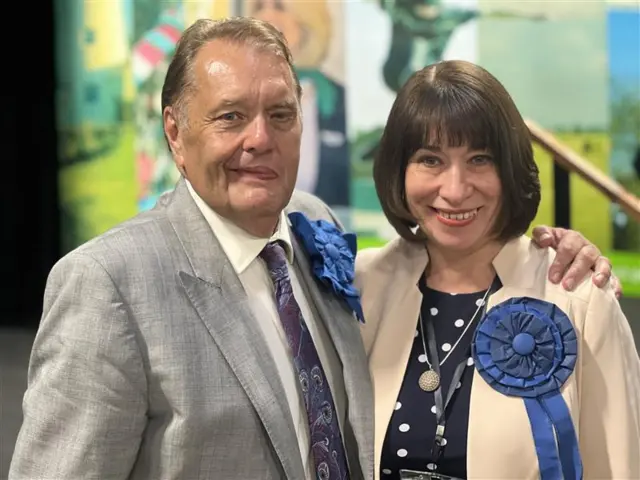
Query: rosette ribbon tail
{"points": [[527, 348], [354, 304], [550, 420]]}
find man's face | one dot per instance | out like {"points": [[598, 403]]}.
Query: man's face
{"points": [[240, 146]]}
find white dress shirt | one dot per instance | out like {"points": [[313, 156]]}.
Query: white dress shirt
{"points": [[243, 251]]}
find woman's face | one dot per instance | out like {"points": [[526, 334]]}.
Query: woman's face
{"points": [[454, 194]]}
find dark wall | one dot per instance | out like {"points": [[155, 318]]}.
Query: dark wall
{"points": [[29, 241]]}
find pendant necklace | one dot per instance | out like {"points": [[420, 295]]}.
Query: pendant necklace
{"points": [[429, 380]]}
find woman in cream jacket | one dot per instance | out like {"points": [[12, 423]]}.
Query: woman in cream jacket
{"points": [[543, 382]]}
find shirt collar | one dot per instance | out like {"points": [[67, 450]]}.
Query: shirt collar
{"points": [[240, 246]]}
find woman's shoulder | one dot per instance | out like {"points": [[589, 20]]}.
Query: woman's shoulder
{"points": [[396, 253], [585, 291], [530, 273], [386, 278], [523, 264]]}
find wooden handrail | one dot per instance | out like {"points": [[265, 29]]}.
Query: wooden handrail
{"points": [[574, 163]]}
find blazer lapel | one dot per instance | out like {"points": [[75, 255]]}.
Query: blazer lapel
{"points": [[218, 297], [498, 449], [343, 328], [490, 441], [400, 298]]}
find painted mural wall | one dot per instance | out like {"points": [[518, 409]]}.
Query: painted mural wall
{"points": [[574, 69]]}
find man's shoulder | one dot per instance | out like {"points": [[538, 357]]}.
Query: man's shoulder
{"points": [[310, 205], [125, 241]]}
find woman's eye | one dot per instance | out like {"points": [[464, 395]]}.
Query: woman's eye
{"points": [[430, 161], [481, 160]]}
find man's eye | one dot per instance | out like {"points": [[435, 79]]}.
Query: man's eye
{"points": [[229, 117], [283, 115]]}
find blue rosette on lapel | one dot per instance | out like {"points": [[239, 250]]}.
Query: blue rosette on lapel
{"points": [[332, 254], [527, 348]]}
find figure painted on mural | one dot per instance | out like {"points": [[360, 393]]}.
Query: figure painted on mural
{"points": [[420, 33], [92, 81], [155, 168], [421, 30], [308, 28], [155, 41], [93, 117]]}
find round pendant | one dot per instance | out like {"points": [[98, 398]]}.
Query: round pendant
{"points": [[429, 381]]}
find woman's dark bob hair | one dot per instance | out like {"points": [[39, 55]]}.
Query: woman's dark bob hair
{"points": [[463, 105]]}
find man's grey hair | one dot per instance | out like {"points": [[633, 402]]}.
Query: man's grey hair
{"points": [[179, 82]]}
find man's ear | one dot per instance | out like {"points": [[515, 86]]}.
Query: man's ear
{"points": [[174, 135]]}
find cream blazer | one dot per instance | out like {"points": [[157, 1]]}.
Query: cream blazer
{"points": [[603, 393]]}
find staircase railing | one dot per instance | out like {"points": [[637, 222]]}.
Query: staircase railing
{"points": [[566, 161]]}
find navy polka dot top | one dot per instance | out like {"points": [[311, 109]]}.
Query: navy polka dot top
{"points": [[411, 431]]}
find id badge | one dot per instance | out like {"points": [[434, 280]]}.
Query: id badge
{"points": [[417, 475]]}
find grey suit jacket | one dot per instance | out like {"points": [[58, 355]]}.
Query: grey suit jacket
{"points": [[148, 363]]}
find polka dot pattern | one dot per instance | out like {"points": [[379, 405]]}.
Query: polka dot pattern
{"points": [[409, 426]]}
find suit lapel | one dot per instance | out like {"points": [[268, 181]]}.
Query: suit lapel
{"points": [[343, 328], [225, 311], [218, 297]]}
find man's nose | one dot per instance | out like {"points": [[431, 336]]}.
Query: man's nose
{"points": [[259, 136]]}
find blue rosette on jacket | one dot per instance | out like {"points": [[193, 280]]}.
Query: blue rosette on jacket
{"points": [[332, 254], [527, 348]]}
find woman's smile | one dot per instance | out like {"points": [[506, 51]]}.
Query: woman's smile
{"points": [[456, 218]]}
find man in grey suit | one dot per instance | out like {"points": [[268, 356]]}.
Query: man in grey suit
{"points": [[162, 352]]}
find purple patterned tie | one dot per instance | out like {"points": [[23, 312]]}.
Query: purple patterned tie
{"points": [[326, 441]]}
